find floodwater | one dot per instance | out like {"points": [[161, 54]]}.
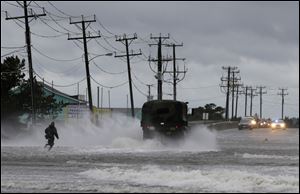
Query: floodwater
{"points": [[259, 160]]}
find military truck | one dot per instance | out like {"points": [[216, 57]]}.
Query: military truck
{"points": [[164, 118]]}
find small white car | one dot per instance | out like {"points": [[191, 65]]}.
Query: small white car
{"points": [[278, 124]]}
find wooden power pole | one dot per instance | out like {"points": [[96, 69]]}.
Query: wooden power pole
{"points": [[159, 61], [175, 72], [84, 37], [28, 43], [125, 40]]}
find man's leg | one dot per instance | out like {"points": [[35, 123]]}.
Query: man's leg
{"points": [[51, 142], [48, 144]]}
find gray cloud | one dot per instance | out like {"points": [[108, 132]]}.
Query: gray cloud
{"points": [[261, 38]]}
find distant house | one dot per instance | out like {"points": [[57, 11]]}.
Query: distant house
{"points": [[60, 97], [63, 97], [75, 105]]}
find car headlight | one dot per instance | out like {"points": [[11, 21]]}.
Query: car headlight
{"points": [[273, 125], [282, 125], [253, 122]]}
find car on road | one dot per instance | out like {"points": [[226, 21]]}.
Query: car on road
{"points": [[247, 123], [278, 124], [264, 123], [166, 118]]}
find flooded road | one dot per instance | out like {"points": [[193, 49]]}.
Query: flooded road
{"points": [[259, 160]]}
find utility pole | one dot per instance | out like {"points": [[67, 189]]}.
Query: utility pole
{"points": [[127, 104], [246, 88], [227, 79], [261, 92], [108, 99], [149, 98], [282, 93], [159, 63], [97, 96], [175, 72], [233, 83], [78, 106], [251, 97], [52, 87], [101, 111], [237, 97], [84, 37], [124, 40], [86, 95], [101, 98], [28, 43]]}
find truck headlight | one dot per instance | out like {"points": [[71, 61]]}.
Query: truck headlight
{"points": [[253, 122]]}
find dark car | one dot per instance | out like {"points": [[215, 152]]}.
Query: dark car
{"points": [[248, 123], [264, 123], [164, 117]]}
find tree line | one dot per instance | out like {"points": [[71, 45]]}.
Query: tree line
{"points": [[16, 94]]}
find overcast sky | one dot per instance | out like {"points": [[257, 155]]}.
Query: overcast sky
{"points": [[261, 39]]}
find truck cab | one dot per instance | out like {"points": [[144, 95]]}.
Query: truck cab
{"points": [[164, 117]]}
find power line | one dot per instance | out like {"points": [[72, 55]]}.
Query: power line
{"points": [[12, 4], [104, 27], [62, 11], [209, 98], [13, 72], [62, 27], [7, 47], [46, 36], [68, 71], [39, 35], [113, 73], [139, 79], [201, 87], [54, 58], [139, 89], [118, 85], [108, 43], [103, 46], [53, 28], [68, 85], [12, 52], [77, 44]]}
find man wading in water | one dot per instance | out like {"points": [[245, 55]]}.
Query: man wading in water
{"points": [[50, 133]]}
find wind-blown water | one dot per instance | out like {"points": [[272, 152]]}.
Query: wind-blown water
{"points": [[114, 158], [114, 132]]}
